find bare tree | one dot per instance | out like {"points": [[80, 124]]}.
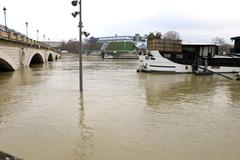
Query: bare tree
{"points": [[172, 35], [223, 47], [71, 46], [218, 41]]}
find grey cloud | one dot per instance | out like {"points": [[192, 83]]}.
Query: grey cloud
{"points": [[191, 28]]}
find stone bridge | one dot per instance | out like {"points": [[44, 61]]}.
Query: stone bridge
{"points": [[18, 51]]}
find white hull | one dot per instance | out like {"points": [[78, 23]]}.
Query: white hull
{"points": [[222, 69], [161, 64]]}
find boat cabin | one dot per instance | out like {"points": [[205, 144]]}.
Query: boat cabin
{"points": [[192, 53], [236, 48], [207, 54], [201, 50]]}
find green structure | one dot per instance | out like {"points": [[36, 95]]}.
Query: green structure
{"points": [[120, 47]]}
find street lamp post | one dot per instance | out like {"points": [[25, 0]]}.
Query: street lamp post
{"points": [[80, 47], [74, 3], [86, 34], [27, 29], [5, 12]]}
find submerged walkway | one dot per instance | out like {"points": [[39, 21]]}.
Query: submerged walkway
{"points": [[5, 156]]}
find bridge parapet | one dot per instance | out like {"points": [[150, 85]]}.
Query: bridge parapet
{"points": [[18, 51], [21, 39]]}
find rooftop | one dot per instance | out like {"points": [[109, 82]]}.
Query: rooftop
{"points": [[199, 44], [235, 38]]}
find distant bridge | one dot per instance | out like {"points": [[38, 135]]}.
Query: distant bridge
{"points": [[17, 51]]}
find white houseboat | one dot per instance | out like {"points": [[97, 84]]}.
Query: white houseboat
{"points": [[192, 58]]}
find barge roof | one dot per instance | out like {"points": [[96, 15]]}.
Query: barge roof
{"points": [[235, 38], [199, 44]]}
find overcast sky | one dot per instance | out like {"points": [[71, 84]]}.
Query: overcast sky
{"points": [[195, 20]]}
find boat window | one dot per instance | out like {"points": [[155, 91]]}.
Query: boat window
{"points": [[188, 48], [167, 55], [179, 56], [152, 58]]}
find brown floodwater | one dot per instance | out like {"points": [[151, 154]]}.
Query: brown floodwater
{"points": [[122, 115]]}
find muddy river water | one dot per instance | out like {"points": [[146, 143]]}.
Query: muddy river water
{"points": [[122, 114]]}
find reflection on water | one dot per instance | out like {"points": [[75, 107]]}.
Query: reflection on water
{"points": [[177, 89], [84, 146], [121, 115], [81, 110]]}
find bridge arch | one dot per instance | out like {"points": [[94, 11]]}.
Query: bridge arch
{"points": [[35, 59], [6, 63], [50, 57], [5, 66]]}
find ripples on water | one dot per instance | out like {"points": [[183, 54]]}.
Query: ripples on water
{"points": [[121, 115]]}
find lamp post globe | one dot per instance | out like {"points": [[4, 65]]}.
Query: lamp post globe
{"points": [[74, 3], [4, 9]]}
